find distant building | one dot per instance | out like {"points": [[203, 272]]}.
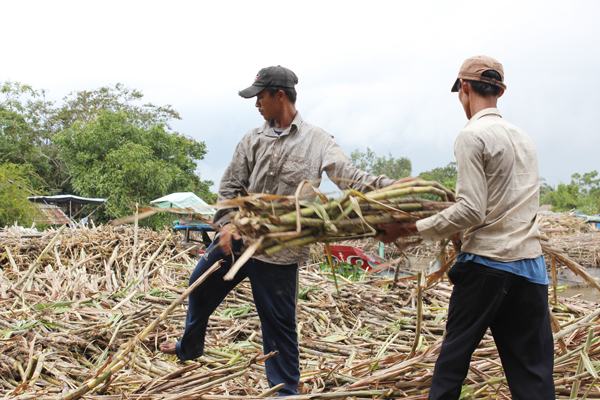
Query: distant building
{"points": [[69, 205], [49, 214]]}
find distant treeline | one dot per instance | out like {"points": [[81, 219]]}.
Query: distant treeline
{"points": [[582, 193], [108, 143]]}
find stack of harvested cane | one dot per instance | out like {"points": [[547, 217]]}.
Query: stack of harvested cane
{"points": [[83, 310]]}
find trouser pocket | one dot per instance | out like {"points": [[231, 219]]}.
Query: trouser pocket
{"points": [[458, 272]]}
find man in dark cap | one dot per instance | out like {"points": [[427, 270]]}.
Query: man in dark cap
{"points": [[500, 279], [273, 158]]}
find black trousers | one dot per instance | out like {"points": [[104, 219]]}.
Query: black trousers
{"points": [[274, 288], [516, 311]]}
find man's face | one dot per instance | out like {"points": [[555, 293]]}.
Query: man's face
{"points": [[268, 105]]}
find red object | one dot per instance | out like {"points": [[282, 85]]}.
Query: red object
{"points": [[355, 256]]}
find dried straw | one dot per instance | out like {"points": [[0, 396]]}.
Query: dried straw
{"points": [[65, 330]]}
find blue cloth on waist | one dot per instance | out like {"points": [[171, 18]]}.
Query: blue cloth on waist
{"points": [[532, 269]]}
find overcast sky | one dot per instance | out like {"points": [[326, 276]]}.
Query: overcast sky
{"points": [[372, 73]]}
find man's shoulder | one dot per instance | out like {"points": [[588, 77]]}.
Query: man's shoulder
{"points": [[311, 129], [469, 133], [251, 135], [486, 123], [255, 131], [490, 126]]}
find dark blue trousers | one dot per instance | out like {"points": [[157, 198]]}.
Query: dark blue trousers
{"points": [[274, 288], [516, 311]]}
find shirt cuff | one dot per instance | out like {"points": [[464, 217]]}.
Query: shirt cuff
{"points": [[426, 228]]}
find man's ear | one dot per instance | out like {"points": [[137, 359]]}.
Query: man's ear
{"points": [[500, 93], [280, 94], [465, 87]]}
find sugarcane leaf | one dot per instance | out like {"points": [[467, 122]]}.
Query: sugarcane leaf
{"points": [[335, 338], [297, 201], [319, 210], [587, 363], [240, 311], [329, 227], [358, 211]]}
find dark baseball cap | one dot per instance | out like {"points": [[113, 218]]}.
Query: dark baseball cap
{"points": [[473, 68], [276, 76]]}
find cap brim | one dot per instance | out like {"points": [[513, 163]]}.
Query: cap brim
{"points": [[250, 91], [456, 86]]}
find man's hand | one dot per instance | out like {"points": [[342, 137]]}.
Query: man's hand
{"points": [[390, 232], [456, 240], [228, 233]]}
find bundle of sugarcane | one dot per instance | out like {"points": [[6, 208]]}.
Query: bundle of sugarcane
{"points": [[272, 223]]}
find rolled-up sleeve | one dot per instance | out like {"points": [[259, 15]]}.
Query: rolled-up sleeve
{"points": [[344, 174], [471, 192]]}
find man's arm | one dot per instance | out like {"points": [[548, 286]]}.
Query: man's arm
{"points": [[344, 174], [471, 192], [234, 183]]}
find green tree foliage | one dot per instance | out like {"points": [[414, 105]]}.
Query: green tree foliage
{"points": [[106, 142], [390, 166], [15, 187], [18, 143], [31, 104], [25, 132], [113, 157], [444, 175], [545, 188], [582, 193], [87, 105]]}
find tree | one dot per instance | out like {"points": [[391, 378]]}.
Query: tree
{"points": [[563, 198], [17, 142], [545, 188], [25, 132], [87, 105], [105, 142], [30, 103], [444, 175], [390, 166], [114, 158], [588, 182], [582, 193], [15, 187]]}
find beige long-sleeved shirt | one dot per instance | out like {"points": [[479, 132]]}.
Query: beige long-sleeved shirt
{"points": [[497, 191], [267, 162]]}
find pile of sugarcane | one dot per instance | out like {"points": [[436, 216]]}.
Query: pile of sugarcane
{"points": [[554, 224], [280, 222], [82, 313], [582, 247]]}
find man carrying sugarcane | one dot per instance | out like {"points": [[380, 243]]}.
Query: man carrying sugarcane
{"points": [[500, 279], [273, 158]]}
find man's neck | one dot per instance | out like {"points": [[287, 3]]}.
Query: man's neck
{"points": [[479, 103], [287, 116]]}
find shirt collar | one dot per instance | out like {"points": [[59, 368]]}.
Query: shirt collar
{"points": [[293, 128], [485, 112]]}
